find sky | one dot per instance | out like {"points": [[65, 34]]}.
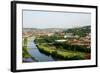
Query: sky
{"points": [[51, 19]]}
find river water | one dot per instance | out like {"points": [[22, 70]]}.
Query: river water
{"points": [[35, 53]]}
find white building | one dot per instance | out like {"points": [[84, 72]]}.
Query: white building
{"points": [[68, 35]]}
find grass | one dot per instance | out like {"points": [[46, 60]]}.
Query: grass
{"points": [[71, 55], [62, 54], [25, 53]]}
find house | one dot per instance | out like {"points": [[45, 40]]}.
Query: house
{"points": [[50, 34], [68, 35], [60, 40]]}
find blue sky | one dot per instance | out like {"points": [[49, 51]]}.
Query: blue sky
{"points": [[50, 19]]}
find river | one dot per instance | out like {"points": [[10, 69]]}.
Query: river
{"points": [[36, 54]]}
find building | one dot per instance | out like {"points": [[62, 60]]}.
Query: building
{"points": [[68, 35]]}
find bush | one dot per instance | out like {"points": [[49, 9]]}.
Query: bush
{"points": [[72, 47], [25, 53]]}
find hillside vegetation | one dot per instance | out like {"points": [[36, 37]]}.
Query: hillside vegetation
{"points": [[81, 31]]}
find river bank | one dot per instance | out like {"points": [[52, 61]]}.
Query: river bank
{"points": [[62, 55], [26, 56], [34, 53]]}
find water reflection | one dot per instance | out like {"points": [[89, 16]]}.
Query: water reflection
{"points": [[35, 53]]}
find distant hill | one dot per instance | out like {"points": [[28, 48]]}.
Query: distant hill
{"points": [[45, 29], [80, 31]]}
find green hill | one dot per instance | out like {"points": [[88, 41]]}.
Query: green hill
{"points": [[80, 31]]}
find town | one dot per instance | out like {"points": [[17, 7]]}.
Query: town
{"points": [[70, 38], [70, 44]]}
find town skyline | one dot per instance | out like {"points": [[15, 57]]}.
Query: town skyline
{"points": [[57, 27]]}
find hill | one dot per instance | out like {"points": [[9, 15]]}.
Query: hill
{"points": [[80, 31]]}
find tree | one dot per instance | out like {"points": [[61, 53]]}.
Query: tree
{"points": [[25, 41]]}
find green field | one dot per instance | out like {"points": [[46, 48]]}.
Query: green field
{"points": [[62, 54], [61, 50]]}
